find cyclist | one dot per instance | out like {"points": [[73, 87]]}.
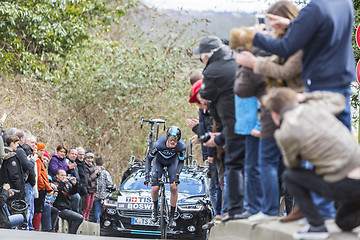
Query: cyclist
{"points": [[168, 151]]}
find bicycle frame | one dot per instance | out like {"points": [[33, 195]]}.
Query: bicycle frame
{"points": [[164, 207]]}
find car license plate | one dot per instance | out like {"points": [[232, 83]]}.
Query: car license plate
{"points": [[143, 221]]}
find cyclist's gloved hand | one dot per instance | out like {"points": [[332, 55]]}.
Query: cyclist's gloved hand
{"points": [[147, 179], [177, 179]]}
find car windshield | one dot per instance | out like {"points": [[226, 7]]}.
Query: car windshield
{"points": [[192, 186]]}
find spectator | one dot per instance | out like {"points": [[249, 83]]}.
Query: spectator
{"points": [[7, 220], [316, 31], [71, 159], [67, 186], [103, 181], [201, 127], [195, 74], [43, 186], [11, 171], [217, 87], [336, 157], [58, 161], [278, 72], [92, 175], [49, 221], [81, 169]]}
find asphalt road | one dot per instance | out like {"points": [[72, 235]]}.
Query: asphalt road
{"points": [[7, 234]]}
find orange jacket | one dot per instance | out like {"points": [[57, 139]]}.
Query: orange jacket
{"points": [[43, 180]]}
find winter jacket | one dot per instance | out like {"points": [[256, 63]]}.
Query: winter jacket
{"points": [[103, 181], [27, 165], [4, 219], [2, 151], [310, 131], [288, 72], [91, 177], [42, 178], [56, 163], [217, 86], [323, 30], [11, 172], [246, 112], [83, 182], [65, 190]]}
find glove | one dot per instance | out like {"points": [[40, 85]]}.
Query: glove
{"points": [[147, 179]]}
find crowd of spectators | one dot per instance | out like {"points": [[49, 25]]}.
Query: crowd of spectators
{"points": [[302, 52], [39, 186]]}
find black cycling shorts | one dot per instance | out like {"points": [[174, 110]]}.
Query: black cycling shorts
{"points": [[158, 166]]}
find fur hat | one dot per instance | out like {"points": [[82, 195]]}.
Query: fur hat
{"points": [[241, 38]]}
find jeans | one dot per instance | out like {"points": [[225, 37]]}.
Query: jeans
{"points": [[270, 158], [212, 190], [218, 204], [46, 218], [88, 203], [345, 115], [347, 192], [75, 202], [234, 165], [74, 219], [225, 197], [15, 219], [252, 172], [97, 210], [29, 190]]}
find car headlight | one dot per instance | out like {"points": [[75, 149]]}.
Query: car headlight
{"points": [[111, 211], [186, 216]]}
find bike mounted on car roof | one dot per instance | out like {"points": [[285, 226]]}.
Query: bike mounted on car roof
{"points": [[154, 123]]}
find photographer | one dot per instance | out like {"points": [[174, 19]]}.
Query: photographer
{"points": [[203, 127], [67, 186]]}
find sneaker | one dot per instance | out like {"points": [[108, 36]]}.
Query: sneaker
{"points": [[172, 222], [243, 215], [311, 232], [261, 217], [154, 215]]}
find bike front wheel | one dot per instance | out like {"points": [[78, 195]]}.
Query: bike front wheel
{"points": [[163, 217]]}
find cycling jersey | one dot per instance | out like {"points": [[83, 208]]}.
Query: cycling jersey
{"points": [[172, 158]]}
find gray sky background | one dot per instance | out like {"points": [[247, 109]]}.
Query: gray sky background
{"points": [[258, 6]]}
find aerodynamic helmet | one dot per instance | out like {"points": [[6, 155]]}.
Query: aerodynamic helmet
{"points": [[173, 133]]}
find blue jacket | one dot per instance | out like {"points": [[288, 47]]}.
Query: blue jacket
{"points": [[323, 30], [246, 114]]}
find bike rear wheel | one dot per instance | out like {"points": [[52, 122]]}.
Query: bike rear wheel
{"points": [[163, 217]]}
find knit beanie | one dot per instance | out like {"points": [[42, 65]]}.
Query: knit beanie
{"points": [[40, 146], [89, 154]]}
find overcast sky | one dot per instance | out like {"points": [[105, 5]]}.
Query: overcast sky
{"points": [[258, 6]]}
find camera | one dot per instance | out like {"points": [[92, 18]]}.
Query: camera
{"points": [[260, 18], [204, 138]]}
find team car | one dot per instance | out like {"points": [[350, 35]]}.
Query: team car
{"points": [[127, 212]]}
